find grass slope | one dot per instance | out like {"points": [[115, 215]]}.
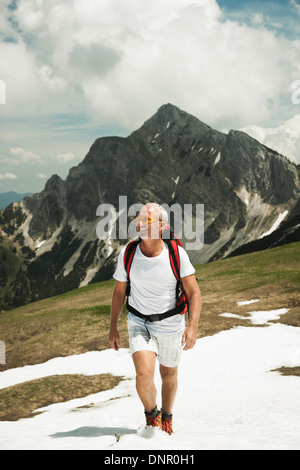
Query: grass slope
{"points": [[78, 321]]}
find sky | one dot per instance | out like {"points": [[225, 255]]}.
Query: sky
{"points": [[76, 70]]}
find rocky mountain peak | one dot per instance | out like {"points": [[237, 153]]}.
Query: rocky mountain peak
{"points": [[173, 158], [170, 119], [53, 183]]}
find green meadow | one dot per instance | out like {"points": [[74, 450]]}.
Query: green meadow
{"points": [[78, 321]]}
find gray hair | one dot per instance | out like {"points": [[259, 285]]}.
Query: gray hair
{"points": [[161, 211]]}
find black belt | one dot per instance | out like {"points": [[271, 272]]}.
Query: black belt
{"points": [[156, 317]]}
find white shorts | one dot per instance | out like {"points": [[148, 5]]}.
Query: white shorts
{"points": [[167, 347]]}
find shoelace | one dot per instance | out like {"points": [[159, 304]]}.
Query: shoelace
{"points": [[167, 426], [154, 421]]}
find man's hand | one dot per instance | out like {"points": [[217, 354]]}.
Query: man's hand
{"points": [[189, 338], [114, 339], [191, 288]]}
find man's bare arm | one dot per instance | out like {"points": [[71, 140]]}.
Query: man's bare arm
{"points": [[118, 299], [193, 292]]}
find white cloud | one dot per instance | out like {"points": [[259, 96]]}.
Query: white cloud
{"points": [[117, 61], [285, 138], [8, 176], [215, 70], [18, 70], [258, 19], [295, 5], [123, 59], [50, 80], [66, 157], [23, 156], [18, 156], [41, 175]]}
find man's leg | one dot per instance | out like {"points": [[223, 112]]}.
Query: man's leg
{"points": [[144, 362], [169, 387]]}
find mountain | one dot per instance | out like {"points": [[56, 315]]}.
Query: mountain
{"points": [[9, 197], [174, 158], [288, 232]]}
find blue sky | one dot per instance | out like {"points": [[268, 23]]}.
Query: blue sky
{"points": [[280, 15], [74, 71]]}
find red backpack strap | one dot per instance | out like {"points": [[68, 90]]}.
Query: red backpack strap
{"points": [[174, 257], [128, 255], [181, 296], [168, 234]]}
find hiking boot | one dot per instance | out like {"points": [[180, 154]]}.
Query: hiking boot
{"points": [[166, 423], [153, 418]]}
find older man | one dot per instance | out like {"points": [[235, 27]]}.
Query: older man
{"points": [[153, 290]]}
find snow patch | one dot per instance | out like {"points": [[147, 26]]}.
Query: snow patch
{"points": [[176, 182], [263, 317], [259, 317], [247, 302], [24, 228], [218, 158], [90, 274], [83, 231], [259, 215], [276, 224], [240, 403], [39, 244], [228, 399], [244, 195]]}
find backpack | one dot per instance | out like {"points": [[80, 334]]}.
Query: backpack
{"points": [[182, 303]]}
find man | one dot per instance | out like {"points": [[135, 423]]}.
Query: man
{"points": [[152, 290]]}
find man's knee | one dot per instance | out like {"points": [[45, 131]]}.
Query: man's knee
{"points": [[144, 367], [168, 374], [145, 376]]}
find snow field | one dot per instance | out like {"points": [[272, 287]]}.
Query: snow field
{"points": [[228, 398]]}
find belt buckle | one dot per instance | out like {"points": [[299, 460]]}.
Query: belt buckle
{"points": [[154, 317]]}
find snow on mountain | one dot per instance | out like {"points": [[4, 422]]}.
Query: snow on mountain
{"points": [[246, 189]]}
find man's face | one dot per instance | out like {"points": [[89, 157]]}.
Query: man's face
{"points": [[148, 223]]}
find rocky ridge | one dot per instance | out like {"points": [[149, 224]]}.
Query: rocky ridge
{"points": [[247, 189]]}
